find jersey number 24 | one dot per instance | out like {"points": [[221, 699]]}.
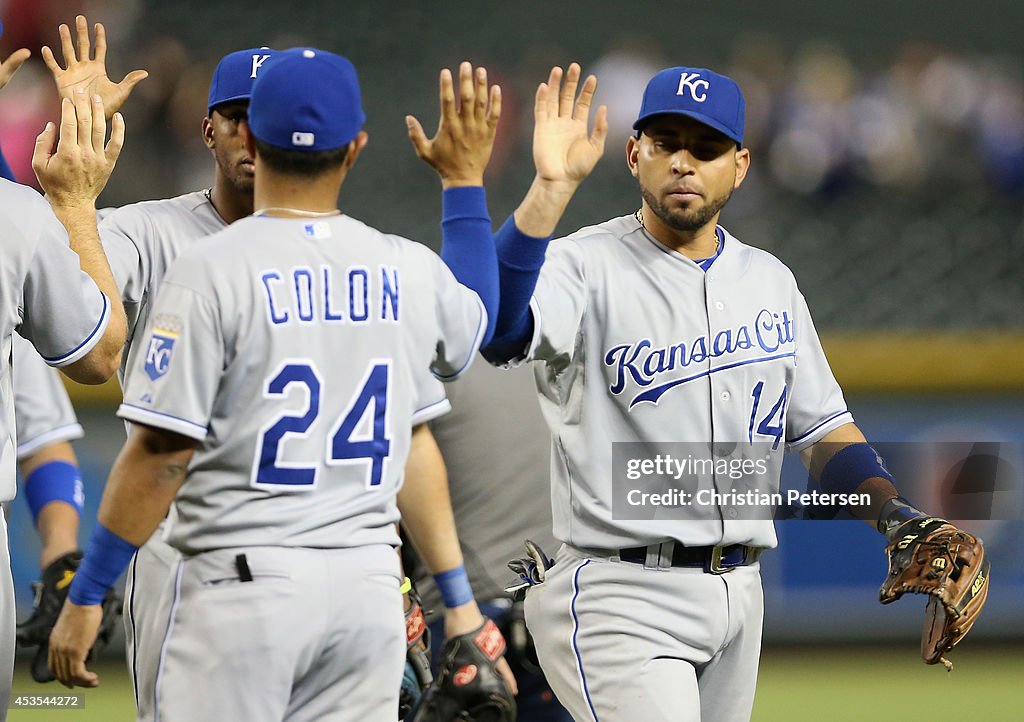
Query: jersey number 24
{"points": [[344, 445]]}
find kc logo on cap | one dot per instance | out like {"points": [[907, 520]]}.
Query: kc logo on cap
{"points": [[691, 82], [704, 95], [306, 99], [234, 75]]}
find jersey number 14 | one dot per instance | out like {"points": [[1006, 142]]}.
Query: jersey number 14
{"points": [[773, 424], [344, 445]]}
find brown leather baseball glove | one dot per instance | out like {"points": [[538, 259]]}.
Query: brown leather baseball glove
{"points": [[931, 556], [468, 687]]}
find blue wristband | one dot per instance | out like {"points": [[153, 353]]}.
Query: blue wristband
{"points": [[850, 467], [454, 587], [54, 481], [106, 556]]}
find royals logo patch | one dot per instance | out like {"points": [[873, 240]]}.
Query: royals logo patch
{"points": [[158, 354]]}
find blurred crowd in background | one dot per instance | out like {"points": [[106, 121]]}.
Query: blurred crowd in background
{"points": [[892, 183]]}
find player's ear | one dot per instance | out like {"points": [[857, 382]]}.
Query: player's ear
{"points": [[208, 133], [742, 165], [632, 154], [355, 147]]}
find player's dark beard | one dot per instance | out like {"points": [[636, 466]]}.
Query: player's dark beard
{"points": [[684, 220]]}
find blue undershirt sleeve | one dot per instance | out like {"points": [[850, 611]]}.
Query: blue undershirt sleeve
{"points": [[5, 168], [520, 258], [467, 247]]}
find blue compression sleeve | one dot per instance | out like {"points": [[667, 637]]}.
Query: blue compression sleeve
{"points": [[520, 258], [468, 248], [106, 556], [850, 467], [5, 168], [54, 481]]}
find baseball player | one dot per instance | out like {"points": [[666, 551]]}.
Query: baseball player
{"points": [[52, 487], [142, 240], [493, 468], [282, 376], [51, 481], [65, 304], [661, 326], [45, 425]]}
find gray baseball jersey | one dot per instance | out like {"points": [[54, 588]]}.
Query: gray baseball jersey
{"points": [[294, 351], [47, 297], [141, 240], [42, 410], [669, 353], [494, 467]]}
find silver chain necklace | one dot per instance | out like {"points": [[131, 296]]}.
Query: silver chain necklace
{"points": [[639, 215]]}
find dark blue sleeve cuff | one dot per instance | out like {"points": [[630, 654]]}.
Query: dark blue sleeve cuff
{"points": [[464, 202], [518, 250]]}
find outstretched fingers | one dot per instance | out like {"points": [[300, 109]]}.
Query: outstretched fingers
{"points": [[480, 95], [600, 132], [83, 111], [582, 111], [466, 91], [551, 96], [68, 124], [116, 142], [10, 66], [417, 137], [82, 30], [494, 110], [99, 125], [568, 94], [43, 150], [66, 45], [101, 42], [446, 90], [50, 61]]}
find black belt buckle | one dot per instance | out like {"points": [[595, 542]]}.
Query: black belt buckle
{"points": [[713, 562]]}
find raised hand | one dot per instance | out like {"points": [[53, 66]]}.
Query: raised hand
{"points": [[10, 66], [74, 175], [89, 74], [461, 147], [563, 151]]}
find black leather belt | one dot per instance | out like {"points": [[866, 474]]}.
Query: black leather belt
{"points": [[713, 559]]}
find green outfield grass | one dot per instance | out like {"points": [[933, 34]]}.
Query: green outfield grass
{"points": [[112, 701], [797, 684], [877, 684]]}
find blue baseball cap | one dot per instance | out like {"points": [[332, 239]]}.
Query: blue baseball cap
{"points": [[235, 74], [704, 95], [306, 99]]}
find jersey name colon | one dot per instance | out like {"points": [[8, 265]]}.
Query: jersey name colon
{"points": [[356, 294], [727, 358]]}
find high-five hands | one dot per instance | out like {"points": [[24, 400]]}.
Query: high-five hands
{"points": [[461, 147]]}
